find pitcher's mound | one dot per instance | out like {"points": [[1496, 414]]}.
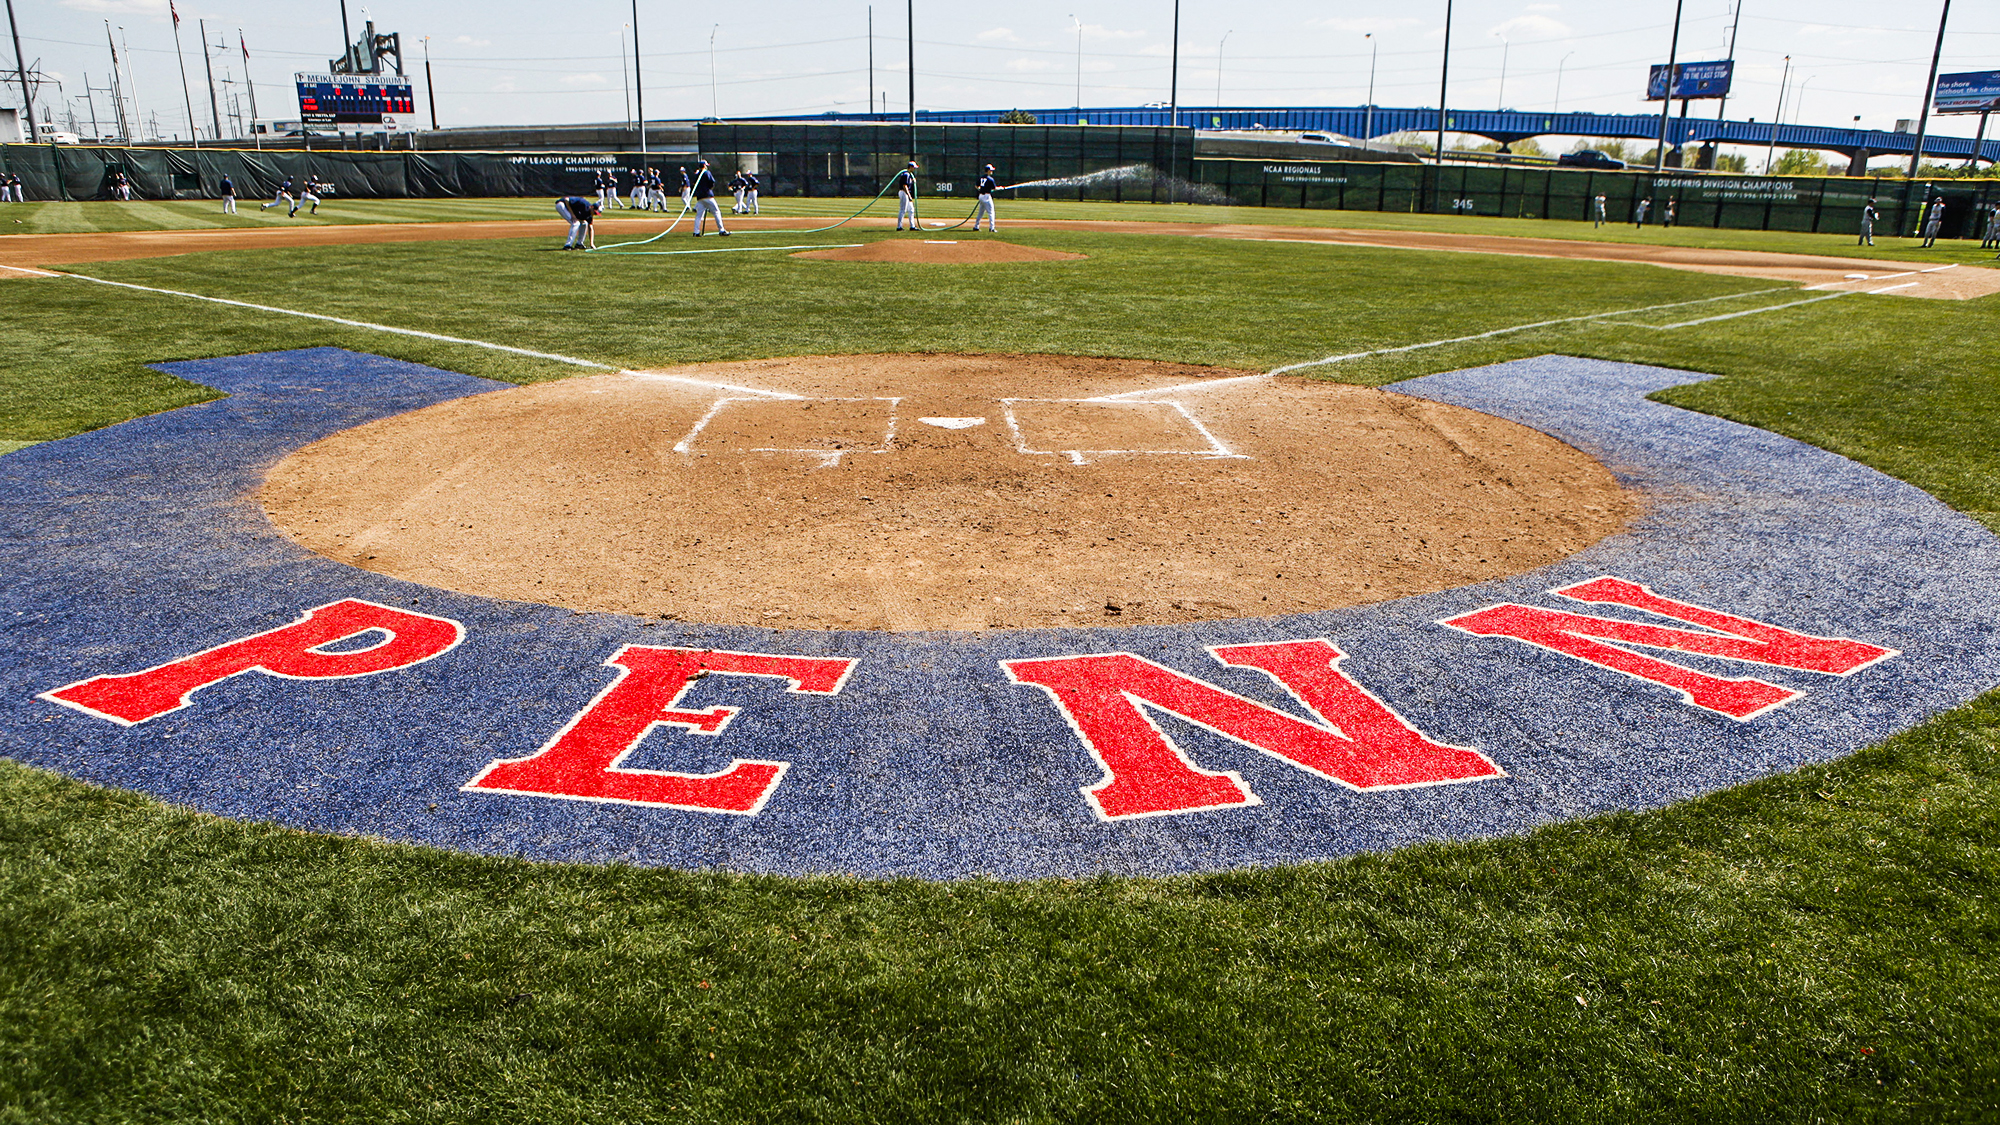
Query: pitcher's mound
{"points": [[910, 492], [971, 251]]}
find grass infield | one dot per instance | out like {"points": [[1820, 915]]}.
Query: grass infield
{"points": [[1815, 946]]}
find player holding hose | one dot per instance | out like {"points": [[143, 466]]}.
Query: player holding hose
{"points": [[987, 186], [906, 196]]}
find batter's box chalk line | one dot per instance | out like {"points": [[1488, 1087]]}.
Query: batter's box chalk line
{"points": [[828, 458], [1214, 446]]}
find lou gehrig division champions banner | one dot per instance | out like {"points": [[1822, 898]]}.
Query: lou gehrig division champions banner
{"points": [[1775, 605]]}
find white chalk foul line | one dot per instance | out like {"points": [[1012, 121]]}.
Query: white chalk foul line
{"points": [[736, 249], [392, 329], [1786, 305], [1514, 328], [29, 272]]}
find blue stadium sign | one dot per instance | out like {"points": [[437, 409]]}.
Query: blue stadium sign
{"points": [[1692, 80], [1975, 91]]}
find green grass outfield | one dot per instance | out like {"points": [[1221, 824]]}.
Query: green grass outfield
{"points": [[1819, 946], [76, 218]]}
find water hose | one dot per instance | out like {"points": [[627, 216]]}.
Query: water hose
{"points": [[814, 230]]}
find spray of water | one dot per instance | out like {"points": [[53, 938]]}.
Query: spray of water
{"points": [[1172, 189]]}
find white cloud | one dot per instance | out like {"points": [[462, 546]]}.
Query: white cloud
{"points": [[1533, 27], [1099, 31], [998, 35], [505, 86], [584, 80]]}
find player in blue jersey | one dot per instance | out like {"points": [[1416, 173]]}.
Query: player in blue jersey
{"points": [[581, 215], [750, 193], [702, 187], [987, 186], [906, 196], [283, 198]]}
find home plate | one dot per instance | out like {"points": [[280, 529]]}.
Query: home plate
{"points": [[953, 423]]}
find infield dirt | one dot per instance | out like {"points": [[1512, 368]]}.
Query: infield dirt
{"points": [[967, 492]]}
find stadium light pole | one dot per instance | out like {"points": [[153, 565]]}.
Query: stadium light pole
{"points": [[1174, 73], [1930, 85], [911, 12], [431, 86], [1557, 108], [21, 68], [1368, 129], [871, 59], [1444, 77], [1079, 59], [1667, 95], [1218, 65], [1500, 101]]}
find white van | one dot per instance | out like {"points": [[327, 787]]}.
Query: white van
{"points": [[48, 134]]}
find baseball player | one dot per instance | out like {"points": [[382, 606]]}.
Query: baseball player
{"points": [[750, 193], [1932, 223], [228, 196], [121, 187], [703, 189], [906, 195], [1868, 217], [310, 194], [736, 189], [687, 190], [581, 215], [283, 198], [612, 176], [1639, 210], [656, 191], [1597, 214], [1990, 242], [1667, 216], [987, 186]]}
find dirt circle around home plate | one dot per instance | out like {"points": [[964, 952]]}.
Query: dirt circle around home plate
{"points": [[944, 492], [971, 251]]}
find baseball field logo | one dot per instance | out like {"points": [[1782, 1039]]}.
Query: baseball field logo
{"points": [[1004, 728]]}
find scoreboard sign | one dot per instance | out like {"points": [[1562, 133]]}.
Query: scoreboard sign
{"points": [[354, 103]]}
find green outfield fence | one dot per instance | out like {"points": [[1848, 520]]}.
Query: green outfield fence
{"points": [[1087, 162]]}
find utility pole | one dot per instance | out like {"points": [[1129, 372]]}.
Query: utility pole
{"points": [[1368, 130], [624, 73], [214, 107], [194, 132], [90, 104], [1174, 73], [714, 103], [912, 10], [1930, 86], [1735, 19], [117, 87], [1784, 82], [1444, 79], [1667, 95], [639, 83], [871, 59], [431, 86], [1079, 60], [21, 64], [247, 80], [131, 84]]}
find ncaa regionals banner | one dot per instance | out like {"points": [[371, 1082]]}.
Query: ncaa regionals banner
{"points": [[1692, 80], [1975, 91]]}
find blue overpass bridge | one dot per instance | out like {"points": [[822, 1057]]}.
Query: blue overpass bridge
{"points": [[1504, 126]]}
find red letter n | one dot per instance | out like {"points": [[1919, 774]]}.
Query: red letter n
{"points": [[1734, 638], [296, 651], [1358, 742], [581, 762]]}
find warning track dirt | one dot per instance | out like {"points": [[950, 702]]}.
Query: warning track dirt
{"points": [[1771, 605]]}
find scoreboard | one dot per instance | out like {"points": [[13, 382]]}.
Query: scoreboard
{"points": [[354, 103]]}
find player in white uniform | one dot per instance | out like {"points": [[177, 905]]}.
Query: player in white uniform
{"points": [[906, 196], [310, 195], [750, 193], [283, 198], [987, 186]]}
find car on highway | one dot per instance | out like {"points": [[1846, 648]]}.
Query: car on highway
{"points": [[1589, 158]]}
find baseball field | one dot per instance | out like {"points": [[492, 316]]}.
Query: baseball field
{"points": [[917, 484]]}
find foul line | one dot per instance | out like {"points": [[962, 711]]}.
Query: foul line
{"points": [[24, 269], [1774, 308], [734, 249], [569, 359], [1518, 328]]}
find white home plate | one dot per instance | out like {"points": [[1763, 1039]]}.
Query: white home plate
{"points": [[953, 423]]}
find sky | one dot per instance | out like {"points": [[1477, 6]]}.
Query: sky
{"points": [[510, 62]]}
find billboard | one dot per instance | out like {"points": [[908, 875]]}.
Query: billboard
{"points": [[1691, 80], [354, 103], [1975, 91]]}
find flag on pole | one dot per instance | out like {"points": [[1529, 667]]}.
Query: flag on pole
{"points": [[239, 41], [172, 12]]}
